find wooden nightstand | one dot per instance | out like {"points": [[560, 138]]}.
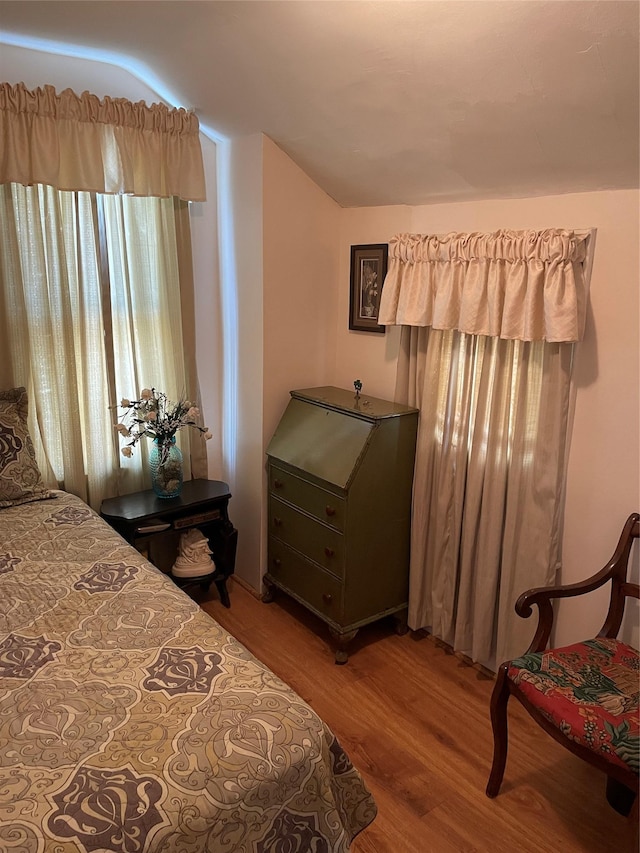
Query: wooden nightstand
{"points": [[202, 504]]}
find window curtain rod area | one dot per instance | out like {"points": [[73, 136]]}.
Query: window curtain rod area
{"points": [[96, 274], [514, 285], [110, 146], [490, 324]]}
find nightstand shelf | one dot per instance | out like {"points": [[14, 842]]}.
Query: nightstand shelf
{"points": [[202, 504]]}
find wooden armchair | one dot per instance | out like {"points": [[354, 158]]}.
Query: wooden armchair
{"points": [[584, 695]]}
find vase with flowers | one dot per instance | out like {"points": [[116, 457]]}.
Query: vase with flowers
{"points": [[154, 416]]}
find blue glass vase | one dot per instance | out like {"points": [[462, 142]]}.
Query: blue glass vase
{"points": [[165, 464]]}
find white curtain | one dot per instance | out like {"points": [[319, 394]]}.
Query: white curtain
{"points": [[494, 422], [92, 285], [91, 315]]}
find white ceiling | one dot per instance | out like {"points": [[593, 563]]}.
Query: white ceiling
{"points": [[393, 102]]}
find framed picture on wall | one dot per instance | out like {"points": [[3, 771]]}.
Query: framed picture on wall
{"points": [[368, 269]]}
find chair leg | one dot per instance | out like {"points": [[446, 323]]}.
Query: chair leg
{"points": [[619, 796], [499, 699], [635, 823]]}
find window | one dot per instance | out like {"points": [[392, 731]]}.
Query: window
{"points": [[91, 288]]}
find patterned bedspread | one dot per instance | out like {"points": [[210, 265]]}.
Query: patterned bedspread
{"points": [[131, 721]]}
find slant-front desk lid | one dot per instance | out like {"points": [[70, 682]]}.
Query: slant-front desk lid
{"points": [[360, 407], [325, 431]]}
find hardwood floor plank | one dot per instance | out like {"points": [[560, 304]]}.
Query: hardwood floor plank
{"points": [[414, 718]]}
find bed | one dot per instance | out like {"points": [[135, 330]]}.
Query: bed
{"points": [[131, 721]]}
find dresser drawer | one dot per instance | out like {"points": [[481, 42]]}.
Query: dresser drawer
{"points": [[316, 588], [320, 543], [312, 499]]}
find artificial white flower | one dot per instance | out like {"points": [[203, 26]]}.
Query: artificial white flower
{"points": [[124, 403], [154, 416], [207, 435]]}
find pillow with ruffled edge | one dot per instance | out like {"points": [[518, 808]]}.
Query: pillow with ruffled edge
{"points": [[20, 479]]}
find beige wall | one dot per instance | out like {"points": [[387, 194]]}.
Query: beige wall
{"points": [[604, 465], [244, 367], [368, 356], [301, 275], [300, 286], [209, 307], [38, 67]]}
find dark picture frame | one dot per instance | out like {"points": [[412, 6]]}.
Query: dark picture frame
{"points": [[368, 270]]}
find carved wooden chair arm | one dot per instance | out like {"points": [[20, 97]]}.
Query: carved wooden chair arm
{"points": [[615, 571]]}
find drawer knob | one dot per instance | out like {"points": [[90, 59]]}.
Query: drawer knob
{"points": [[329, 510], [278, 484], [327, 597], [277, 562], [329, 552], [277, 521]]}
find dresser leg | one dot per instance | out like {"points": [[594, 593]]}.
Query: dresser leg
{"points": [[269, 591], [342, 641], [401, 622]]}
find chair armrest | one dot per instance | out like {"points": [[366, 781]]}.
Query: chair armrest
{"points": [[615, 571], [543, 596]]}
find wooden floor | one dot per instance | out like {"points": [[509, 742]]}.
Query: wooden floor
{"points": [[414, 719]]}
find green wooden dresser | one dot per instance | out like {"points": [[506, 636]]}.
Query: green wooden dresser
{"points": [[340, 476]]}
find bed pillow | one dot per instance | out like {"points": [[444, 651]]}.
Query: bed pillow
{"points": [[20, 479]]}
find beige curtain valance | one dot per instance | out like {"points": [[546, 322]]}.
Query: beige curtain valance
{"points": [[517, 285], [79, 142]]}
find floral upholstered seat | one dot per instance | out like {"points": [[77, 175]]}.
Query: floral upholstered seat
{"points": [[589, 691], [585, 695]]}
